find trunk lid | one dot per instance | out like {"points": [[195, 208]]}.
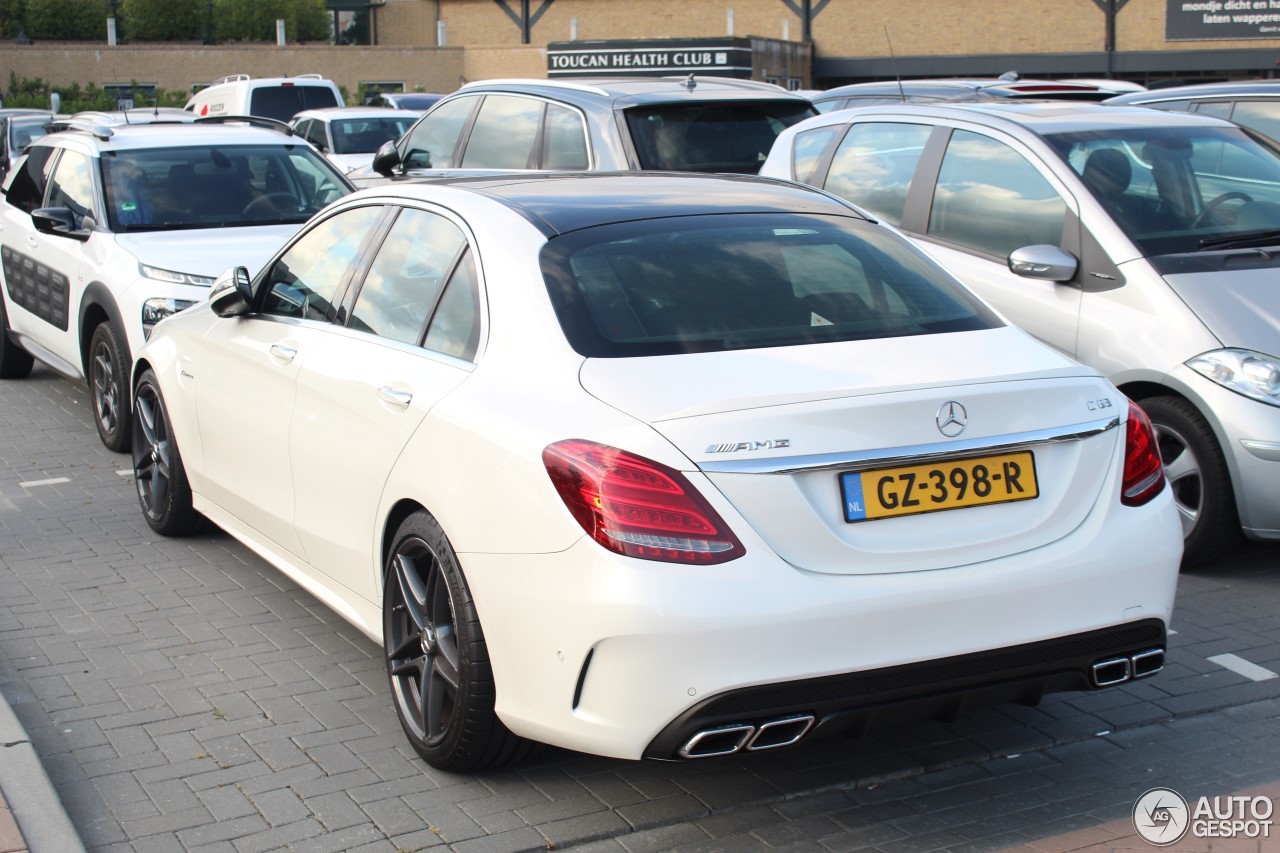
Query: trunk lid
{"points": [[776, 429]]}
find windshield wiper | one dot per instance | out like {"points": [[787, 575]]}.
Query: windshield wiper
{"points": [[1240, 241]]}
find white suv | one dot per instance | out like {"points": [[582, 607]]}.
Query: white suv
{"points": [[107, 229]]}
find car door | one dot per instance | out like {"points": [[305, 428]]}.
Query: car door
{"points": [[412, 332], [985, 197], [249, 366], [45, 273]]}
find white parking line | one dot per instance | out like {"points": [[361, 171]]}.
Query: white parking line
{"points": [[1240, 666], [125, 472], [53, 482]]}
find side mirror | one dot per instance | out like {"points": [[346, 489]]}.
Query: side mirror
{"points": [[58, 221], [232, 294], [387, 158], [1044, 262]]}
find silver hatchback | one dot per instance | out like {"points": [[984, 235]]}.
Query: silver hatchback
{"points": [[1146, 244]]}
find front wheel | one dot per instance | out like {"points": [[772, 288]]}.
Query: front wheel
{"points": [[163, 490], [437, 660], [1198, 478], [106, 386]]}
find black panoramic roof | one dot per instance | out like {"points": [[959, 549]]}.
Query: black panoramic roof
{"points": [[561, 202]]}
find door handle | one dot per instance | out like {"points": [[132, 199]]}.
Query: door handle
{"points": [[399, 399], [32, 242], [284, 353]]}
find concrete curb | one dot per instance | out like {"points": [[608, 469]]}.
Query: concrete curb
{"points": [[41, 817]]}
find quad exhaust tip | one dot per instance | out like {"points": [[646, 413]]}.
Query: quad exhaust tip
{"points": [[726, 740], [1112, 671]]}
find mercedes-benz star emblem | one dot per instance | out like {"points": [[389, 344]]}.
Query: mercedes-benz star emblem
{"points": [[952, 419]]}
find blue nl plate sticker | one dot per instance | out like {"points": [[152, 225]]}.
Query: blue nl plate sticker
{"points": [[855, 509]]}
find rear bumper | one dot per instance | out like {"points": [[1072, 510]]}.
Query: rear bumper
{"points": [[620, 657], [776, 715]]}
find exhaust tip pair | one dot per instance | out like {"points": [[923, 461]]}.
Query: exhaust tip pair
{"points": [[726, 740], [1112, 671]]}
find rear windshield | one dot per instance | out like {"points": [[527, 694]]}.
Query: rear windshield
{"points": [[366, 135], [283, 102], [744, 281], [709, 136]]}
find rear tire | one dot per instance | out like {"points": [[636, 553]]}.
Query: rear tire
{"points": [[1198, 478], [161, 481], [15, 362], [107, 369], [437, 660]]}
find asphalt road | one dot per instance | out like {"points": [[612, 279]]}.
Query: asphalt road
{"points": [[183, 695]]}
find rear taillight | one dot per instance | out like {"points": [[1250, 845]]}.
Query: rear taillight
{"points": [[638, 507], [1143, 470]]}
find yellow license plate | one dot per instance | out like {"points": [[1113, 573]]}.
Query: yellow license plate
{"points": [[935, 486]]}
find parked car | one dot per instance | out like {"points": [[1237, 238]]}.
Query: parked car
{"points": [[666, 466], [1142, 243], [1254, 104], [417, 101], [349, 136], [18, 129], [1006, 86], [280, 98], [703, 124], [107, 229]]}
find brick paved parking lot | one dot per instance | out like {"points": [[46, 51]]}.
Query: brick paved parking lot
{"points": [[183, 695]]}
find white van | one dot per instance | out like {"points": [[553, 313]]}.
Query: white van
{"points": [[273, 97]]}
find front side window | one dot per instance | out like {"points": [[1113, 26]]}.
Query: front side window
{"points": [[726, 282], [989, 198], [306, 281], [874, 164], [807, 151], [406, 278], [1177, 190], [434, 138], [71, 185], [504, 134], [706, 136]]}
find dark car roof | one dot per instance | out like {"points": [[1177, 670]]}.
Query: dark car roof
{"points": [[560, 202], [1202, 91]]}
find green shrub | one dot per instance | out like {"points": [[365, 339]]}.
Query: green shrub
{"points": [[164, 20], [10, 18], [255, 20], [68, 20]]}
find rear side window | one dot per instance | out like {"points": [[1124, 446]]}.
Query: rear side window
{"points": [[706, 136], [714, 283], [284, 102], [26, 192], [504, 134], [874, 164], [991, 199]]}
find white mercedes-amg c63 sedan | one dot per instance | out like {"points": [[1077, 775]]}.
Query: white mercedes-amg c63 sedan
{"points": [[664, 466]]}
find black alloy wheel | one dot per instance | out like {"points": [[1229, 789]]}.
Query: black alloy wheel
{"points": [[437, 660], [110, 405], [161, 480]]}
